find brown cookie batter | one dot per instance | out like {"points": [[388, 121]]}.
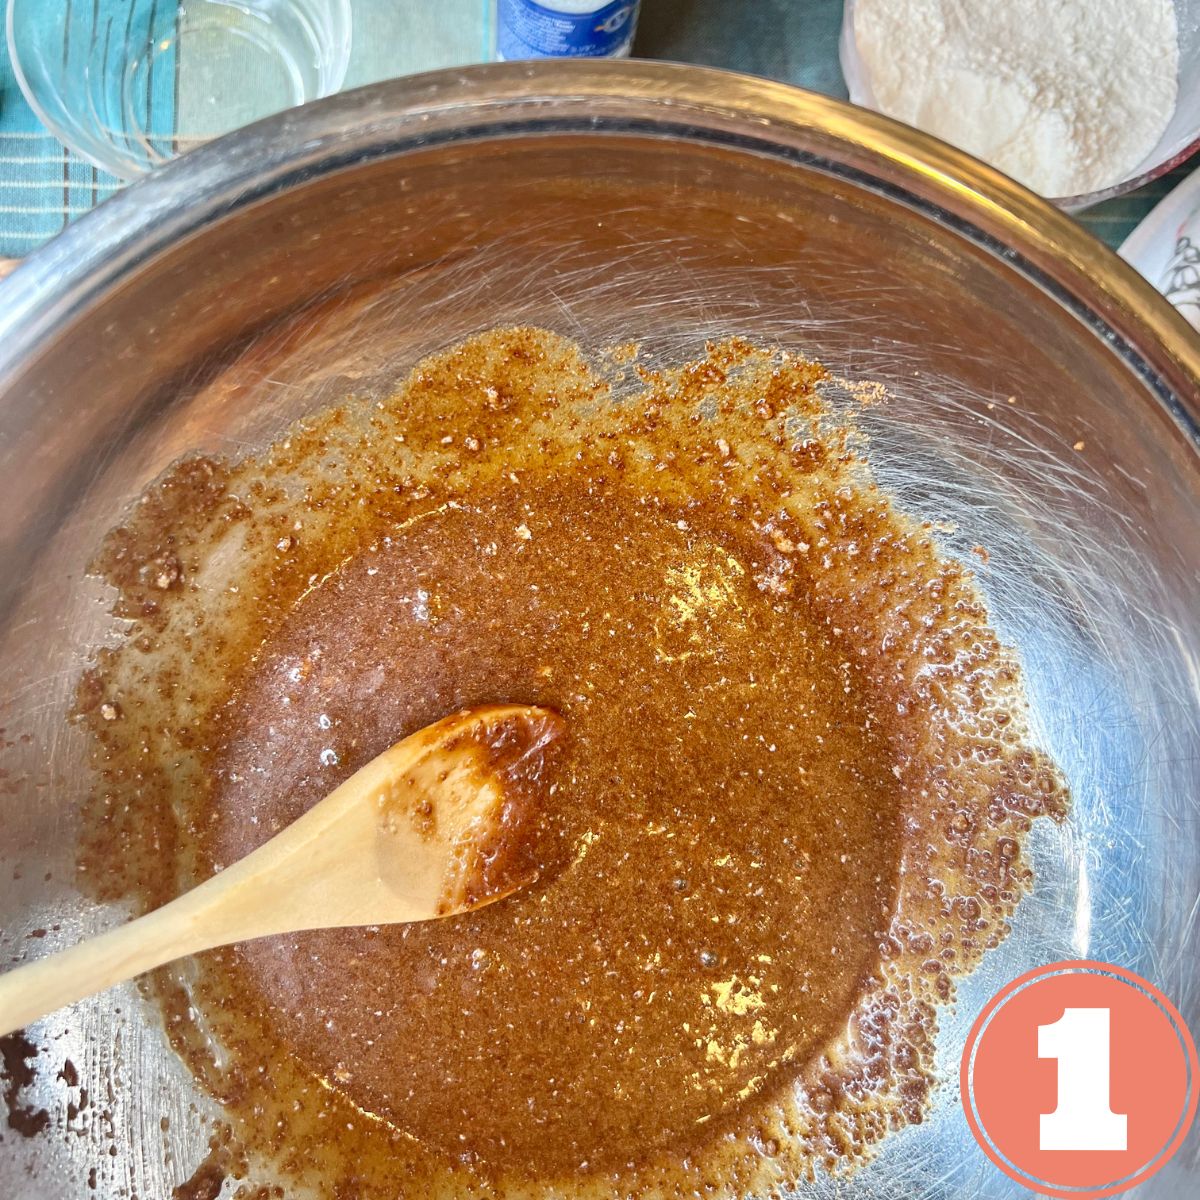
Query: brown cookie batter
{"points": [[788, 808]]}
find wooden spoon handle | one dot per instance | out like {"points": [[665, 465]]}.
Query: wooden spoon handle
{"points": [[363, 856], [292, 882], [268, 891], [265, 892], [40, 987], [287, 884]]}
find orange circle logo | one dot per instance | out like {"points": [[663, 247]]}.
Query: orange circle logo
{"points": [[1079, 1080]]}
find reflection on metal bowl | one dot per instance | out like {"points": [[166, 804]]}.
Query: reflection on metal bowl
{"points": [[1043, 405]]}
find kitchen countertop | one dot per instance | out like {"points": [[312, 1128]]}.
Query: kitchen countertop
{"points": [[43, 185]]}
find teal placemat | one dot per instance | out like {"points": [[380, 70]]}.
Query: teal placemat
{"points": [[43, 185]]}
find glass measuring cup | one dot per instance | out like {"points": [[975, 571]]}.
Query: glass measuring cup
{"points": [[131, 84]]}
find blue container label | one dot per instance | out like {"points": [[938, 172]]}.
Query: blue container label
{"points": [[526, 29]]}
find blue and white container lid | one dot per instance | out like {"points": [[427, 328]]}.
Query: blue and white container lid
{"points": [[564, 28]]}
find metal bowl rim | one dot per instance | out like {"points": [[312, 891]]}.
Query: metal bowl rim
{"points": [[98, 251]]}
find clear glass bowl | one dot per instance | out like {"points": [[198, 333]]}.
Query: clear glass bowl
{"points": [[132, 84], [1179, 141]]}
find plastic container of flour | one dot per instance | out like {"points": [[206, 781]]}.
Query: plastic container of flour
{"points": [[1179, 140]]}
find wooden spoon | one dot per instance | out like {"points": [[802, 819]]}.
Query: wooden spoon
{"points": [[442, 822]]}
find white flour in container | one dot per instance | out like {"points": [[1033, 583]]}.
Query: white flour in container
{"points": [[1067, 96]]}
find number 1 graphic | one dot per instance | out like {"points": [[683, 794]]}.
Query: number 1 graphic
{"points": [[1083, 1120]]}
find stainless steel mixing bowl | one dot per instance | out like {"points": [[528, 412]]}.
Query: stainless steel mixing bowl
{"points": [[1044, 404]]}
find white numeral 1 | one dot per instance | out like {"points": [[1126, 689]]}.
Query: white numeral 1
{"points": [[1083, 1120]]}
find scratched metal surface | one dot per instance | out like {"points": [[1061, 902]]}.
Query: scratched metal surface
{"points": [[323, 252]]}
